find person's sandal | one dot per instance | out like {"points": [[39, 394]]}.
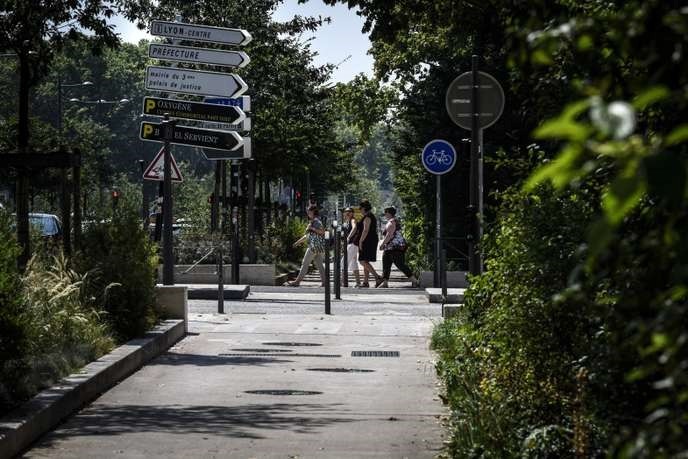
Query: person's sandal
{"points": [[379, 281], [293, 284], [365, 285]]}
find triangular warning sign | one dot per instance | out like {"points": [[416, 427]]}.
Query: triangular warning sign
{"points": [[156, 169]]}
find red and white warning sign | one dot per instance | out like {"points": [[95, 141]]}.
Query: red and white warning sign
{"points": [[156, 169]]}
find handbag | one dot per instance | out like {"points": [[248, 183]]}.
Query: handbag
{"points": [[398, 242]]}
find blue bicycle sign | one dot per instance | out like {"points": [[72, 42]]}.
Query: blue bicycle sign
{"points": [[438, 157]]}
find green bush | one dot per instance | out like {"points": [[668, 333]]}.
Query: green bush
{"points": [[510, 362], [13, 322], [277, 246], [123, 262]]}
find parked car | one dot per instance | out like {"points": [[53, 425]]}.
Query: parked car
{"points": [[48, 224]]}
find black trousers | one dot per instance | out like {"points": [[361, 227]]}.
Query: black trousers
{"points": [[398, 258]]}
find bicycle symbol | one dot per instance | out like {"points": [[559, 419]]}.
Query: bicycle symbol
{"points": [[438, 157]]}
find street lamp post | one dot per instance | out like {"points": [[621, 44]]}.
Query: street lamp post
{"points": [[66, 199]]}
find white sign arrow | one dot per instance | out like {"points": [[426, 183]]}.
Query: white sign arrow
{"points": [[156, 169], [197, 82], [195, 32], [198, 55]]}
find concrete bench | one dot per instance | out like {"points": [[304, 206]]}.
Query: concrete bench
{"points": [[454, 295]]}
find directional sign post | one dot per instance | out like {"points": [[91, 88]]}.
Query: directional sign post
{"points": [[475, 101], [195, 32], [197, 55], [196, 82], [438, 157], [197, 111], [243, 152], [182, 135]]}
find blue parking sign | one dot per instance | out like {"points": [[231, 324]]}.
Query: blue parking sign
{"points": [[438, 157]]}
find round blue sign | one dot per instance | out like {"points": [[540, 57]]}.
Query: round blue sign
{"points": [[438, 157]]}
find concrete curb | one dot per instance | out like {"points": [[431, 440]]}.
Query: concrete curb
{"points": [[231, 292], [27, 423]]}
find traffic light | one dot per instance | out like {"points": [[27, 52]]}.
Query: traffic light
{"points": [[115, 194]]}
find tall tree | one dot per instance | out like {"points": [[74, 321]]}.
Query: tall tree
{"points": [[35, 30]]}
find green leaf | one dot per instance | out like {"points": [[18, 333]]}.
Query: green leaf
{"points": [[585, 42], [560, 171], [678, 135], [623, 194], [649, 97], [565, 126], [600, 234], [541, 57]]}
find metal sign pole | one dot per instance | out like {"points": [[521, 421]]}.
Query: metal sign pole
{"points": [[438, 233], [473, 185], [167, 243], [481, 197]]}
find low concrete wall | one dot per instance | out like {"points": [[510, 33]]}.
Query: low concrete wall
{"points": [[455, 279], [42, 413], [171, 301], [251, 274]]}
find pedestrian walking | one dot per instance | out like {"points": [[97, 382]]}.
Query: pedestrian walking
{"points": [[367, 244], [393, 248], [352, 234], [315, 235]]}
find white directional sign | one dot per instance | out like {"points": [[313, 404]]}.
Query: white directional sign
{"points": [[198, 55], [156, 169], [195, 32], [197, 82]]}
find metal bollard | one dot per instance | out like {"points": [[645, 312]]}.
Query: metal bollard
{"points": [[345, 259], [220, 281], [327, 272], [337, 264]]}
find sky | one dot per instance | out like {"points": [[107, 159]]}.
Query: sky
{"points": [[345, 29]]}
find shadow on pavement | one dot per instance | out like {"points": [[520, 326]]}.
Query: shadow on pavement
{"points": [[213, 360], [244, 421]]}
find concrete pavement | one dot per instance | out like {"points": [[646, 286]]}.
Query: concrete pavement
{"points": [[276, 378]]}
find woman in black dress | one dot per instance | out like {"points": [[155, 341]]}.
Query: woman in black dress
{"points": [[367, 244]]}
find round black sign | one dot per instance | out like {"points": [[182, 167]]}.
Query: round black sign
{"points": [[490, 98]]}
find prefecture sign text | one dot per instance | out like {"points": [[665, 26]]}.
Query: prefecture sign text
{"points": [[197, 55]]}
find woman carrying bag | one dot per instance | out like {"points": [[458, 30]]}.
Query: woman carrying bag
{"points": [[315, 235], [394, 249]]}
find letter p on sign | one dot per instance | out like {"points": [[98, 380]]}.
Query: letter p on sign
{"points": [[147, 130], [150, 105]]}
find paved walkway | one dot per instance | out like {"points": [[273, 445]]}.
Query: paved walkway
{"points": [[276, 378]]}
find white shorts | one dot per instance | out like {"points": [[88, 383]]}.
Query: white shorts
{"points": [[352, 257]]}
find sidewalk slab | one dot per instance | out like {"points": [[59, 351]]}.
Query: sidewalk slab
{"points": [[46, 410]]}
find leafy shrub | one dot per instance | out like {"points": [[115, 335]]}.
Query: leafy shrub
{"points": [[510, 362], [277, 246], [122, 260], [13, 322]]}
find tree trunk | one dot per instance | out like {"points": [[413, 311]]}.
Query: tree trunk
{"points": [[22, 190]]}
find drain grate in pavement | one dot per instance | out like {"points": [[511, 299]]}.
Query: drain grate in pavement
{"points": [[341, 370], [269, 354], [262, 350], [292, 344], [283, 392], [374, 353]]}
